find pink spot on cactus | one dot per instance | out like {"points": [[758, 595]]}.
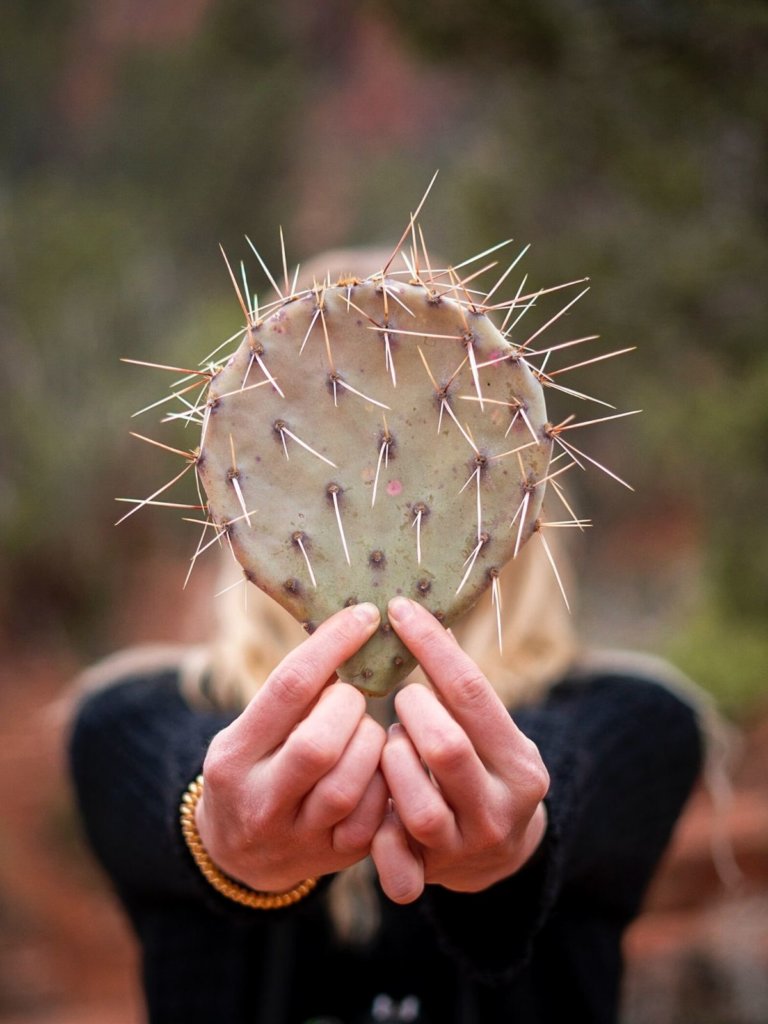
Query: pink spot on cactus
{"points": [[394, 487], [496, 355]]}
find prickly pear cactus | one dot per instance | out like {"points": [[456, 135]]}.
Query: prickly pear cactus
{"points": [[373, 438], [379, 436]]}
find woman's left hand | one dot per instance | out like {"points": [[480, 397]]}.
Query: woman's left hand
{"points": [[466, 785]]}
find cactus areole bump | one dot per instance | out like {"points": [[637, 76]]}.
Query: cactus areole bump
{"points": [[393, 434]]}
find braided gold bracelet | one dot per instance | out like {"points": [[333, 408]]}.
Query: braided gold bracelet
{"points": [[215, 876]]}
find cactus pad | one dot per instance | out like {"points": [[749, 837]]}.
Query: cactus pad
{"points": [[392, 438], [375, 436]]}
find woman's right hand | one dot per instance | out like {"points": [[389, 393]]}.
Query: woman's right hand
{"points": [[293, 787]]}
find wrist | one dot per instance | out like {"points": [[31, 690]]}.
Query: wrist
{"points": [[226, 885]]}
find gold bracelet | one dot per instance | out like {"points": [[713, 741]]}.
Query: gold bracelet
{"points": [[215, 876]]}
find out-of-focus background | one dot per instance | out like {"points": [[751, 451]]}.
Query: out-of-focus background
{"points": [[625, 140]]}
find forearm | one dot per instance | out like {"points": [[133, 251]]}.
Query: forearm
{"points": [[134, 748]]}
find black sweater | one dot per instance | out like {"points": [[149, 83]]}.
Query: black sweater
{"points": [[541, 947]]}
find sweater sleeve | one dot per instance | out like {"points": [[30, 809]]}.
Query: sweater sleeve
{"points": [[134, 748], [623, 755]]}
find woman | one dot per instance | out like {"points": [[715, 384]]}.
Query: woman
{"points": [[444, 860]]}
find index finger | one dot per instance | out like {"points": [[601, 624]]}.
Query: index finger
{"points": [[290, 689], [458, 681]]}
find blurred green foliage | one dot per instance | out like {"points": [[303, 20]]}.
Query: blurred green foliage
{"points": [[635, 135], [625, 140]]}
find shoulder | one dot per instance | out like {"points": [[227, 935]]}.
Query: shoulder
{"points": [[131, 714], [632, 675], [128, 685], [639, 680], [617, 704], [640, 666], [131, 663]]}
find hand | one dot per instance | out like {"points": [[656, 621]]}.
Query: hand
{"points": [[466, 785], [293, 786]]}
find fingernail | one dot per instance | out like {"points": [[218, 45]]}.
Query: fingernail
{"points": [[367, 613], [400, 609]]}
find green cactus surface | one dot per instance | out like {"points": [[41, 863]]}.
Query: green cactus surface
{"points": [[391, 435], [381, 435]]}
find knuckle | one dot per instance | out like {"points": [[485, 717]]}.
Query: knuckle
{"points": [[447, 751], [289, 682], [218, 768], [535, 777], [426, 822], [471, 688], [528, 749], [492, 827], [541, 783], [352, 838], [338, 799], [311, 753], [496, 831]]}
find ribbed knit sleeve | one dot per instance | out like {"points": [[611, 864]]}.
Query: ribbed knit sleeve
{"points": [[623, 755], [134, 748]]}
